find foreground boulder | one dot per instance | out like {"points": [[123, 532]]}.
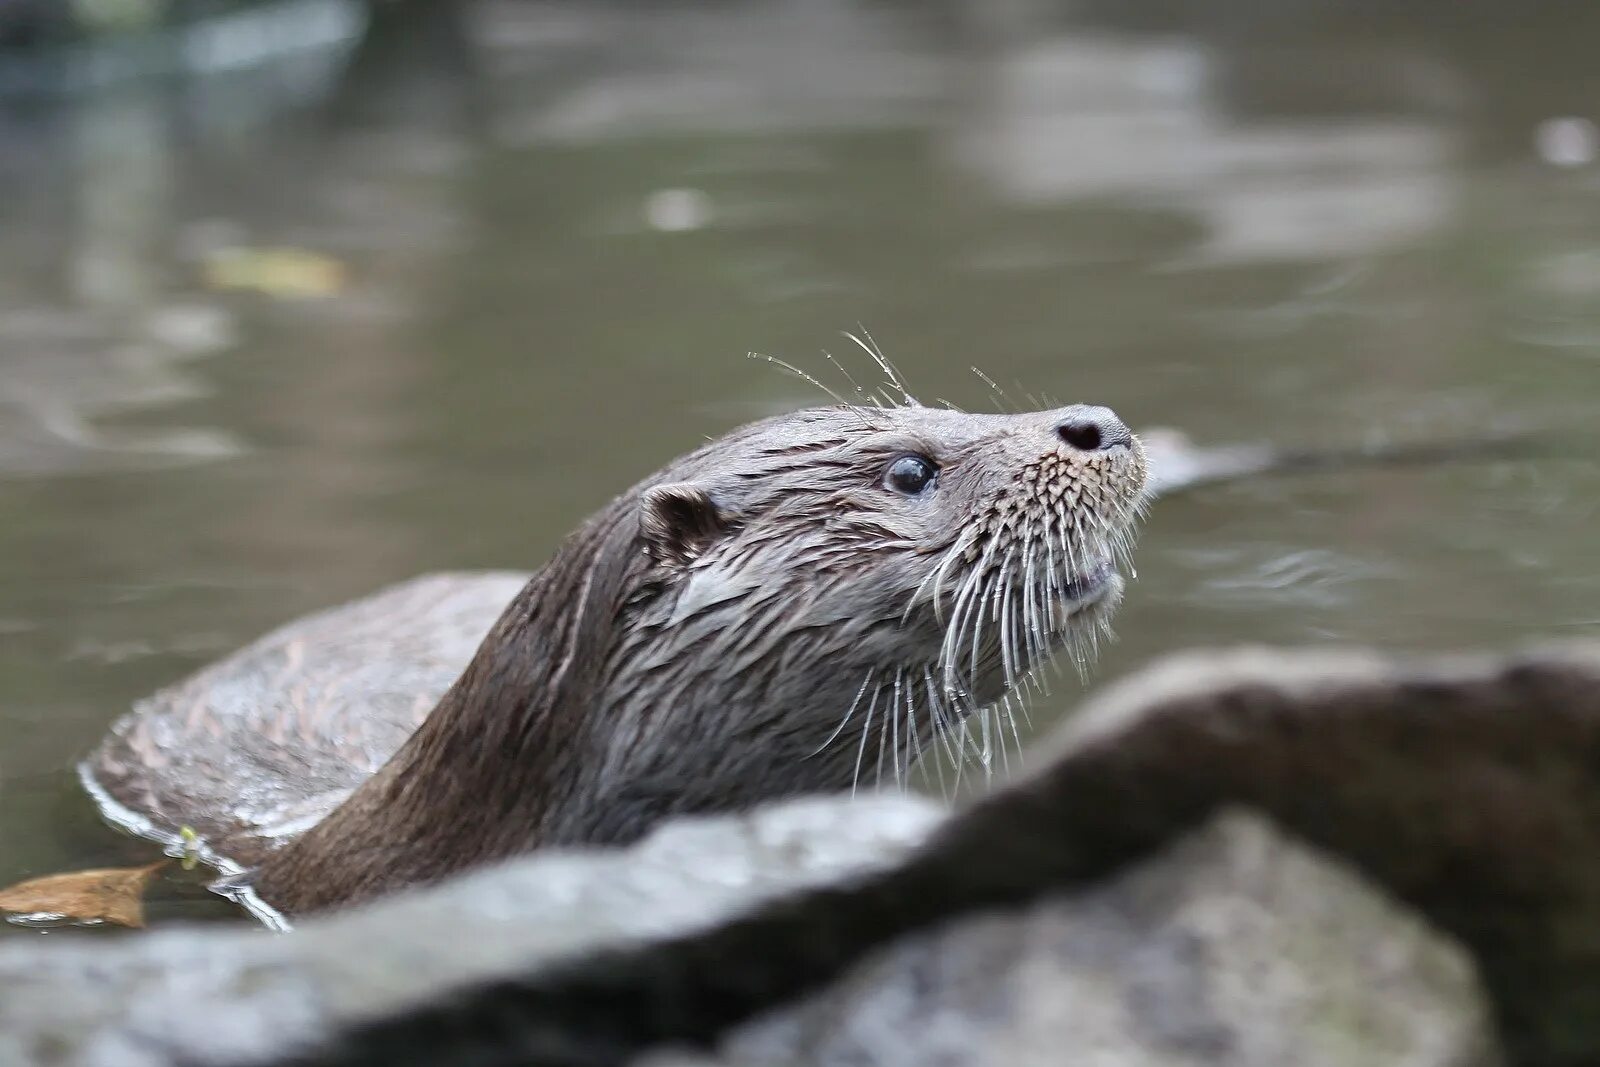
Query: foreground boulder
{"points": [[1419, 884], [202, 995], [1234, 946]]}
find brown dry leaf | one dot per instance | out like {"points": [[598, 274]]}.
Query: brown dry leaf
{"points": [[110, 895], [281, 272]]}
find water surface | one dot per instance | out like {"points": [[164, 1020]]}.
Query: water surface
{"points": [[508, 277]]}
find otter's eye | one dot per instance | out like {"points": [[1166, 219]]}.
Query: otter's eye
{"points": [[910, 475]]}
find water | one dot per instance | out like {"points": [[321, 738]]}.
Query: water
{"points": [[541, 273]]}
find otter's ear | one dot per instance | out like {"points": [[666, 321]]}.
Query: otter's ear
{"points": [[678, 522]]}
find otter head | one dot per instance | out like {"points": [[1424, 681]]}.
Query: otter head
{"points": [[825, 593]]}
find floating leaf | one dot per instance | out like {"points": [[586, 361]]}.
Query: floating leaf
{"points": [[281, 272], [109, 895]]}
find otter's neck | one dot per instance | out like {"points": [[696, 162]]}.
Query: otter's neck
{"points": [[499, 758], [590, 713]]}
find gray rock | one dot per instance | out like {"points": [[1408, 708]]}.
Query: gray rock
{"points": [[1235, 946], [204, 995]]}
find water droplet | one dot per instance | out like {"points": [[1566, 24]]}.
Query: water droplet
{"points": [[1567, 141], [677, 210]]}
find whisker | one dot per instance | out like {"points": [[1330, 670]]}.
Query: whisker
{"points": [[1001, 714], [894, 727], [866, 729], [862, 393], [941, 727], [913, 752], [889, 712], [803, 375], [976, 643], [936, 575], [986, 751], [949, 653], [1011, 718], [857, 410], [994, 387], [1010, 658], [883, 364], [982, 572], [851, 710]]}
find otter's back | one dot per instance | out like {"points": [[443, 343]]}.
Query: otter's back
{"points": [[258, 747]]}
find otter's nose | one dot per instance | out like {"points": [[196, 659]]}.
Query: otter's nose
{"points": [[1093, 429]]}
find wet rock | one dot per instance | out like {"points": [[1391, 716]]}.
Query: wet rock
{"points": [[1467, 786], [203, 995], [1235, 946]]}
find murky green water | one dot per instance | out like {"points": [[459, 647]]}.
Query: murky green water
{"points": [[545, 275]]}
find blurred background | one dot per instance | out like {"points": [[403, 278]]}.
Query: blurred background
{"points": [[302, 297]]}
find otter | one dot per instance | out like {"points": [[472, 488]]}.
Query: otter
{"points": [[804, 598]]}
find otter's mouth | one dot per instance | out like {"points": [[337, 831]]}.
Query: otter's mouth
{"points": [[1089, 586]]}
